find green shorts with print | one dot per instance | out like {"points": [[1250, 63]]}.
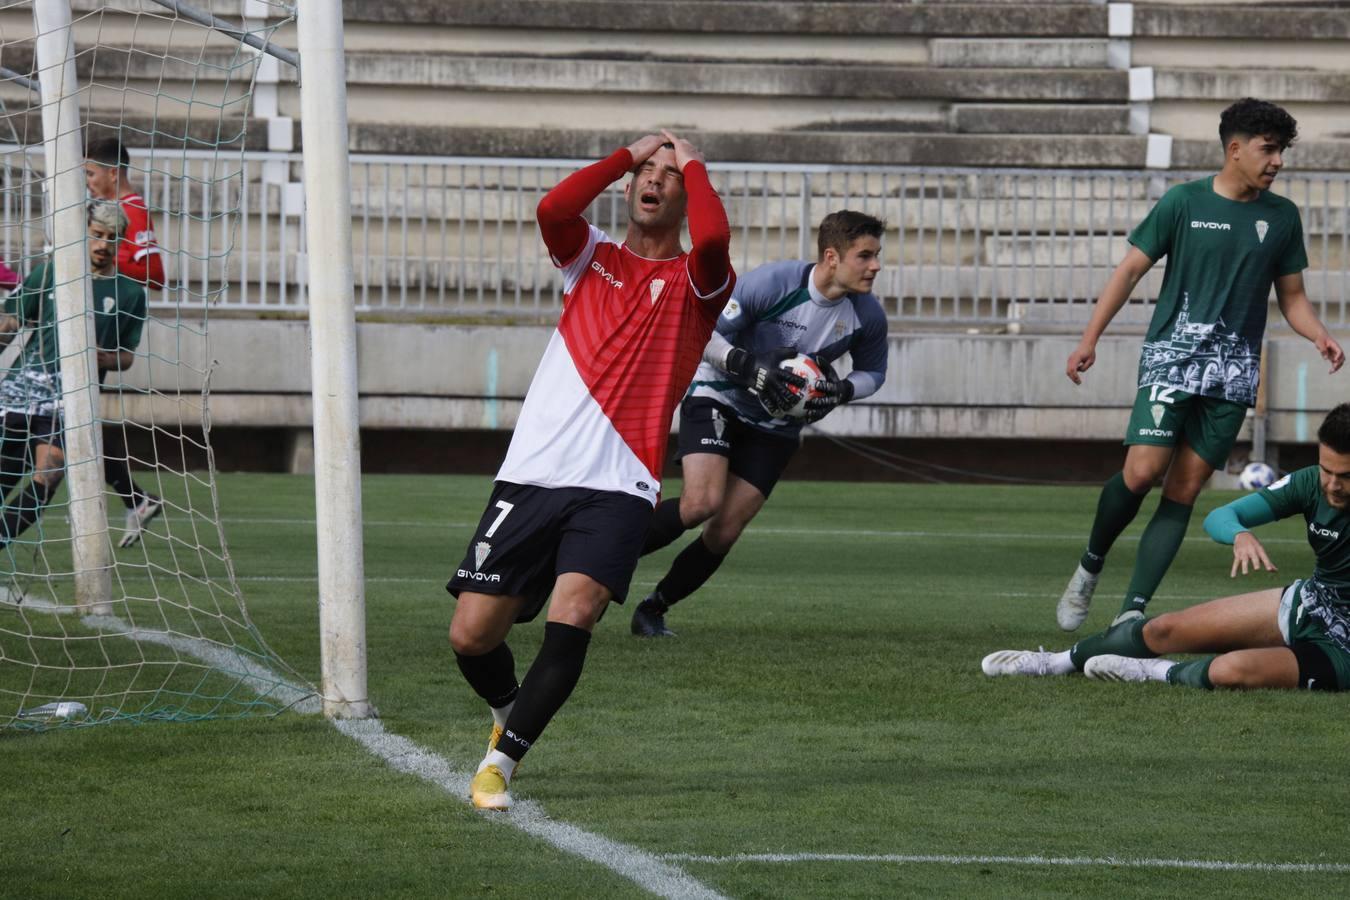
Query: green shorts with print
{"points": [[1312, 613], [1164, 416]]}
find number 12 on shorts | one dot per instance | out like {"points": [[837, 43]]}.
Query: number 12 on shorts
{"points": [[1156, 394]]}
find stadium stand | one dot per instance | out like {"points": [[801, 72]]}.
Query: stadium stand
{"points": [[1036, 86]]}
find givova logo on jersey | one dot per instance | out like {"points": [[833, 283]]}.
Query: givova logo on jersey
{"points": [[1318, 530], [595, 265]]}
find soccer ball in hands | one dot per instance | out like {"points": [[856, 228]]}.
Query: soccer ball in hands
{"points": [[809, 371], [1256, 475]]}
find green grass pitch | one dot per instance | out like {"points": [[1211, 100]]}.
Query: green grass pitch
{"points": [[823, 697]]}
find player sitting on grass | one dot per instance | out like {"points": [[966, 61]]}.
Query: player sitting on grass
{"points": [[733, 446], [1292, 637]]}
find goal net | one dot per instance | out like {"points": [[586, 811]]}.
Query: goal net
{"points": [[135, 612]]}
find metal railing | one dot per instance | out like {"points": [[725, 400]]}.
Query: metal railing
{"points": [[456, 237]]}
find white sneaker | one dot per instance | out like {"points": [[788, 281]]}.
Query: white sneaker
{"points": [[1076, 600], [1018, 662], [138, 517], [1109, 667]]}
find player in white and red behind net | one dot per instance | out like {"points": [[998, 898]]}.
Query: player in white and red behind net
{"points": [[574, 496]]}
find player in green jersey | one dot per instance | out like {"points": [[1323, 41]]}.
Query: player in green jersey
{"points": [[30, 394], [1292, 637], [1227, 240]]}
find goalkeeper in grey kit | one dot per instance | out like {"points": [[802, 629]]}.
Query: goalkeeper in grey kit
{"points": [[735, 436]]}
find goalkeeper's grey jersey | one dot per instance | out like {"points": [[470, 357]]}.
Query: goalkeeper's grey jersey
{"points": [[778, 306]]}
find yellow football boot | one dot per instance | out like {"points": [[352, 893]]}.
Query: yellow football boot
{"points": [[488, 789]]}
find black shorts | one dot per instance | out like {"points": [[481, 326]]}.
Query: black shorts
{"points": [[35, 429], [707, 426], [530, 535]]}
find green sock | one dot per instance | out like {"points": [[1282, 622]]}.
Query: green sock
{"points": [[1192, 674], [1116, 508], [1157, 548], [1125, 639]]}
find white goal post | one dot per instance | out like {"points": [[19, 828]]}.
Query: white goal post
{"points": [[64, 148], [332, 317]]}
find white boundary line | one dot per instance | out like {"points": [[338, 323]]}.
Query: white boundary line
{"points": [[1208, 865], [646, 870], [649, 872], [257, 676], [657, 874]]}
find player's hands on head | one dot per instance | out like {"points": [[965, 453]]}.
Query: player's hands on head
{"points": [[685, 152], [1080, 360], [1249, 555], [763, 376], [832, 391], [1331, 351], [644, 147]]}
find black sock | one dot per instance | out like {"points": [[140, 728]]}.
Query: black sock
{"points": [[24, 511], [492, 675], [694, 566], [546, 688], [665, 527], [117, 469], [117, 474]]}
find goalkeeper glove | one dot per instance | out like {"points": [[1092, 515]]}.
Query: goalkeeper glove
{"points": [[764, 378], [833, 391]]}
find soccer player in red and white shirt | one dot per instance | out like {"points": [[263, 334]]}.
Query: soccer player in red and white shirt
{"points": [[106, 168], [571, 504]]}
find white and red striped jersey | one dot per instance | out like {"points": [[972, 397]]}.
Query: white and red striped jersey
{"points": [[138, 254], [598, 412]]}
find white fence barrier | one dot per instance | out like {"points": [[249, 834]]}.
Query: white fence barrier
{"points": [[455, 237]]}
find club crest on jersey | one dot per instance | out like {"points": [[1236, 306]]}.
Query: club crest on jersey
{"points": [[109, 304], [838, 330], [1262, 226], [480, 553], [1157, 410], [656, 287]]}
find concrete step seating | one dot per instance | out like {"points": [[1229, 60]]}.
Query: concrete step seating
{"points": [[865, 81]]}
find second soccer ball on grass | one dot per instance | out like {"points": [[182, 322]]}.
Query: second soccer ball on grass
{"points": [[1256, 475]]}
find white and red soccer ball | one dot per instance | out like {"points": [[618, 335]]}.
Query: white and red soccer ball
{"points": [[809, 371]]}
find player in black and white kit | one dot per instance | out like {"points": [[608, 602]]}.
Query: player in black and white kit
{"points": [[734, 443]]}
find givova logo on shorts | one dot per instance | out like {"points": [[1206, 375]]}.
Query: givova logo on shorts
{"points": [[480, 555]]}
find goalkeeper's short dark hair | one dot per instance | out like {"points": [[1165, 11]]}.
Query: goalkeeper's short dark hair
{"points": [[1249, 118], [840, 229], [107, 151], [1335, 429]]}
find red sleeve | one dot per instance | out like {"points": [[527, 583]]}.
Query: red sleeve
{"points": [[710, 256], [138, 254], [559, 213]]}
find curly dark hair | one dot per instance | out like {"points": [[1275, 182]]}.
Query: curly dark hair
{"points": [[1335, 429], [1249, 118]]}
